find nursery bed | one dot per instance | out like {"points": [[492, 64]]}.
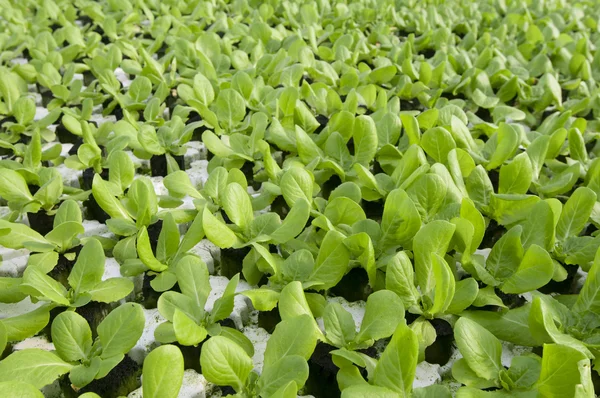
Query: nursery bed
{"points": [[321, 199]]}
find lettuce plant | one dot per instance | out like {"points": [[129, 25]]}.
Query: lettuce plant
{"points": [[188, 322], [84, 358], [226, 363], [85, 280], [391, 375]]}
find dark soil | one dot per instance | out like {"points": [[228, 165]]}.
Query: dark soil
{"points": [[63, 268], [322, 373], [154, 233], [41, 222], [564, 287], [158, 164], [354, 286], [231, 261], [493, 233], [510, 300], [269, 319], [439, 352]]}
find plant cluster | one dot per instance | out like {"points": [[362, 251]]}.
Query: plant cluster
{"points": [[435, 162]]}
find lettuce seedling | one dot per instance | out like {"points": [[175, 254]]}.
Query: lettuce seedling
{"points": [[85, 359], [528, 375], [285, 370], [85, 280], [392, 375], [24, 113], [187, 320], [14, 189], [169, 251], [384, 311], [63, 237], [323, 273], [481, 366], [129, 212], [170, 140]]}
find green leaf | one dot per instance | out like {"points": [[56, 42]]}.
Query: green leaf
{"points": [[20, 235], [511, 326], [144, 250], [225, 363], [44, 286], [162, 374], [589, 296], [293, 336], [560, 373], [237, 205], [365, 139], [3, 337], [186, 330], [89, 267], [296, 184], [397, 365], [34, 366], [168, 239], [444, 285], [339, 325], [465, 294], [262, 299], [121, 329], [437, 143], [433, 238], [480, 348], [230, 108], [103, 195], [293, 224], [120, 169], [13, 187], [507, 140], [19, 389], [536, 270], [26, 325], [111, 290], [506, 254], [217, 231], [289, 369], [467, 376], [400, 220], [383, 312], [178, 183], [71, 335], [575, 213], [516, 176], [400, 279], [332, 261], [193, 279]]}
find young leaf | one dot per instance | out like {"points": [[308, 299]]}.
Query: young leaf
{"points": [[560, 373], [225, 363], [397, 365], [72, 336], [89, 267], [536, 270], [339, 325], [34, 366], [217, 231], [237, 205], [293, 336], [383, 312], [162, 372], [121, 329], [481, 349], [576, 213]]}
